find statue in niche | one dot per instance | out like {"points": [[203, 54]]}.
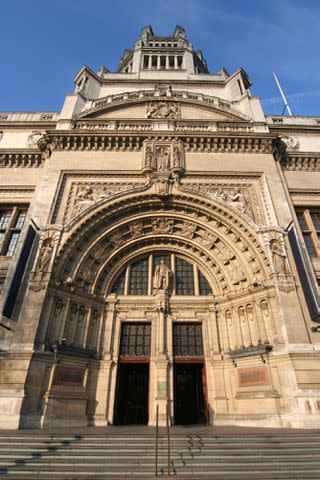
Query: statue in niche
{"points": [[238, 200], [176, 157], [45, 255], [148, 157], [278, 256], [163, 158], [162, 277]]}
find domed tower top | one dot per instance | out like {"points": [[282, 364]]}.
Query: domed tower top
{"points": [[168, 54]]}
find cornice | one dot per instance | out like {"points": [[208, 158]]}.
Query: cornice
{"points": [[301, 161], [195, 142], [21, 158]]}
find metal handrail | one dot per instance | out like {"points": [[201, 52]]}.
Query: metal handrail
{"points": [[157, 440], [168, 441]]}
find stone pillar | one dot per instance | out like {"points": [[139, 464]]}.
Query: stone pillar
{"points": [[150, 62], [167, 62], [161, 360], [175, 62], [158, 62], [104, 413]]}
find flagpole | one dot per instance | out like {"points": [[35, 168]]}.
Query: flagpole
{"points": [[286, 105]]}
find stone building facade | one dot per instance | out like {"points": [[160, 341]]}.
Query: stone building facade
{"points": [[159, 248]]}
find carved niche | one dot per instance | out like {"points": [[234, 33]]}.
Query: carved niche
{"points": [[163, 156]]}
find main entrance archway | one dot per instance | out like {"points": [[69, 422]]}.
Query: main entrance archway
{"points": [[106, 278]]}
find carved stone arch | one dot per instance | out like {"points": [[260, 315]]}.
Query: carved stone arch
{"points": [[125, 99], [105, 233]]}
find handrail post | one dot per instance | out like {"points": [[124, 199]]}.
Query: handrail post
{"points": [[157, 439], [168, 436]]}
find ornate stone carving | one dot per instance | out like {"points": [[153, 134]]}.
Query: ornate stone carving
{"points": [[34, 138], [116, 239], [279, 256], [21, 159], [162, 225], [136, 229], [163, 110], [44, 256], [207, 239], [291, 142], [162, 90], [163, 156], [162, 277], [188, 229]]}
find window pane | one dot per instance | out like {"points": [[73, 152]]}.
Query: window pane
{"points": [[20, 219], [5, 217], [118, 286], [135, 339], [12, 244], [309, 245], [315, 216], [139, 278], [301, 220], [204, 286], [187, 340], [184, 277]]}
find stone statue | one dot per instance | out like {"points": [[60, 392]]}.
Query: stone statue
{"points": [[84, 199], [45, 255], [278, 256], [162, 277], [176, 157], [148, 157], [163, 158]]}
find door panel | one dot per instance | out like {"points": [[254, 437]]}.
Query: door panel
{"points": [[188, 394], [132, 394]]}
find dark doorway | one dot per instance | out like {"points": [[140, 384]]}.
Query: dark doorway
{"points": [[189, 406], [132, 394]]}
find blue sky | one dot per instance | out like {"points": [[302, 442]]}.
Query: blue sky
{"points": [[45, 43]]}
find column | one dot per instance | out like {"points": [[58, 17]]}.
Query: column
{"points": [[167, 62], [175, 62]]}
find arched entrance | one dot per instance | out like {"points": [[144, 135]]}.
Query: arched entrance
{"points": [[212, 300]]}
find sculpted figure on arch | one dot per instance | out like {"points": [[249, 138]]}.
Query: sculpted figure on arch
{"points": [[162, 277]]}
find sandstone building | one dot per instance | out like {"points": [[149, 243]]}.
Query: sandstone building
{"points": [[159, 247]]}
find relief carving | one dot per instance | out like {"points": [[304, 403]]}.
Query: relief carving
{"points": [[291, 142], [162, 225], [163, 110], [117, 240], [188, 229], [136, 229]]}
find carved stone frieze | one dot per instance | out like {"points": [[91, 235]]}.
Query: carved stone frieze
{"points": [[236, 197], [83, 196], [164, 109]]}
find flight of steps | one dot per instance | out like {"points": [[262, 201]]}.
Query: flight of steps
{"points": [[206, 455]]}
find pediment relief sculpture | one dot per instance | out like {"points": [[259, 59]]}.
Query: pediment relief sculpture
{"points": [[169, 110]]}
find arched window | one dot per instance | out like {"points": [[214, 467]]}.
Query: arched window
{"points": [[137, 277]]}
